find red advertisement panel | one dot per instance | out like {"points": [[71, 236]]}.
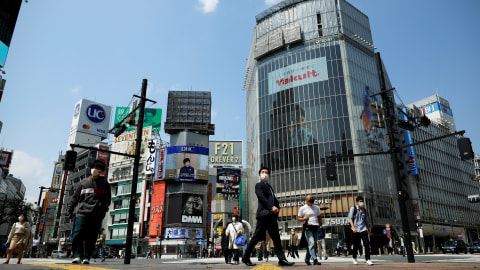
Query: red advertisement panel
{"points": [[102, 155], [156, 214]]}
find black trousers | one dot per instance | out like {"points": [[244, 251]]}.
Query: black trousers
{"points": [[266, 224], [361, 236]]}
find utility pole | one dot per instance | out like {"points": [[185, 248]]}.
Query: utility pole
{"points": [[390, 117], [136, 162]]}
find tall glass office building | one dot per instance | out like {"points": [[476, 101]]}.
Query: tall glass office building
{"points": [[310, 74]]}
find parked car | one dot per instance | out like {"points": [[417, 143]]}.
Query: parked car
{"points": [[454, 246], [58, 254], [475, 247]]}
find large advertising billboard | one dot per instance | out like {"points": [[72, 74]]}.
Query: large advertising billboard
{"points": [[91, 117], [125, 143], [182, 233], [192, 209], [225, 153], [157, 208], [186, 163], [152, 117], [228, 182]]}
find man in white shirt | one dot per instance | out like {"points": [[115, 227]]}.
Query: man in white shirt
{"points": [[310, 214]]}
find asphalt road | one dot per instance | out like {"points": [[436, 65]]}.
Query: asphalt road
{"points": [[422, 262]]}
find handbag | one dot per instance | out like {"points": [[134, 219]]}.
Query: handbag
{"points": [[240, 240]]}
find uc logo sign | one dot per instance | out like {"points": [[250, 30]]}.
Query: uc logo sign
{"points": [[76, 111], [96, 113]]}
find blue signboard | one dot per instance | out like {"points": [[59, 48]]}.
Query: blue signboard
{"points": [[412, 159]]}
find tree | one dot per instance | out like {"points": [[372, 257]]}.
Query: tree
{"points": [[10, 209]]}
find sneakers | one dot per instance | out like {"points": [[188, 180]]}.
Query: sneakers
{"points": [[355, 262], [368, 262], [103, 259], [326, 258], [77, 260], [85, 261]]}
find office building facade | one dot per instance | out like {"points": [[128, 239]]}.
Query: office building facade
{"points": [[444, 180], [310, 75]]}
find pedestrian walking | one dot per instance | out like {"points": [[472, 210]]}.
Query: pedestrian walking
{"points": [[20, 238], [311, 217], [267, 215], [361, 229], [89, 204], [234, 229], [225, 245]]}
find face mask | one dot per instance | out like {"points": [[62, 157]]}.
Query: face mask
{"points": [[312, 200], [361, 204], [21, 218], [264, 176], [234, 219], [95, 172]]}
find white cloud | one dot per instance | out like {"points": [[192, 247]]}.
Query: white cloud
{"points": [[33, 172], [272, 2], [208, 5], [214, 113], [75, 90]]}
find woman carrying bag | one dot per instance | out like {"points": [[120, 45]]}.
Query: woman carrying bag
{"points": [[20, 238], [234, 229]]}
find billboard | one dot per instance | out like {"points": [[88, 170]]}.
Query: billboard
{"points": [[225, 153], [125, 143], [186, 163], [150, 157], [160, 157], [57, 173], [435, 107], [192, 208], [5, 158], [91, 117], [182, 233], [102, 155], [156, 208], [152, 117], [228, 182], [298, 74], [412, 158]]}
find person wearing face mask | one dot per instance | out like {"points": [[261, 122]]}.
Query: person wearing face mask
{"points": [[89, 204], [311, 216], [361, 229], [267, 214], [20, 238], [233, 229]]}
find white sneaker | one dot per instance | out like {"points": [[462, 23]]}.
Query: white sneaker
{"points": [[77, 260], [368, 262], [355, 262], [85, 261]]}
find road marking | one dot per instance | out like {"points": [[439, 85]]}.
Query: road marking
{"points": [[71, 266], [267, 266]]}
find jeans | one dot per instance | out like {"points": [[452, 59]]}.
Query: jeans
{"points": [[311, 236]]}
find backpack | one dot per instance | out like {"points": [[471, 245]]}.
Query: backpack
{"points": [[355, 213]]}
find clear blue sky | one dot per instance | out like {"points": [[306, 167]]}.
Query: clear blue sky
{"points": [[63, 51]]}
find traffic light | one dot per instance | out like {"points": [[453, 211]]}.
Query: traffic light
{"points": [[474, 198], [378, 112], [465, 148], [120, 130], [331, 169], [424, 121], [70, 160]]}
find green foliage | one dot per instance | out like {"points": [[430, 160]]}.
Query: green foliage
{"points": [[10, 209]]}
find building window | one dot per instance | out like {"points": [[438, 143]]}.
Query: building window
{"points": [[319, 25]]}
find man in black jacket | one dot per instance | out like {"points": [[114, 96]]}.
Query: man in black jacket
{"points": [[89, 204], [267, 214]]}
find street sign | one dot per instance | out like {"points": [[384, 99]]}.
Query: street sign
{"points": [[387, 226], [42, 219], [389, 236], [384, 231]]}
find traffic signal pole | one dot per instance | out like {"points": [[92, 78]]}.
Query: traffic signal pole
{"points": [[136, 162], [390, 115]]}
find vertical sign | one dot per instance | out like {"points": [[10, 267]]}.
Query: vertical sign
{"points": [[150, 157]]}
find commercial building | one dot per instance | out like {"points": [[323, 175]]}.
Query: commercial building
{"points": [[311, 73], [180, 200], [443, 179]]}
